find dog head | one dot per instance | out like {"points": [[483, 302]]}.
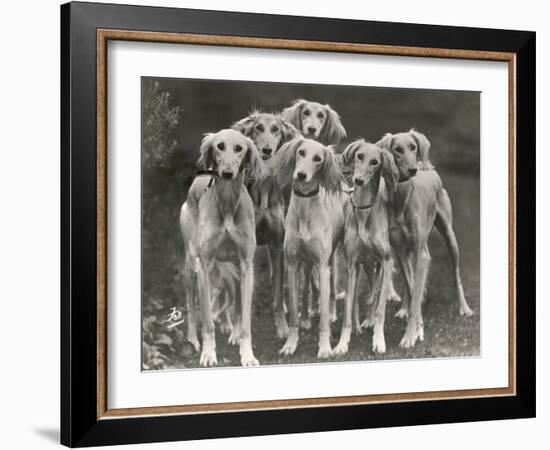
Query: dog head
{"points": [[315, 121], [229, 152], [307, 162], [368, 163], [411, 151], [268, 131]]}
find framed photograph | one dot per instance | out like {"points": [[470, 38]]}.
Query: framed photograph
{"points": [[276, 224]]}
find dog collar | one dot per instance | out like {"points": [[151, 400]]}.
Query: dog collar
{"points": [[210, 172], [362, 207], [306, 194]]}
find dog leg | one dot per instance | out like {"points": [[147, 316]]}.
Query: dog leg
{"points": [[371, 272], [281, 325], [305, 321], [235, 335], [293, 335], [415, 326], [191, 298], [378, 340], [406, 268], [443, 223], [226, 327], [208, 354], [343, 344], [375, 287], [247, 286], [334, 296], [356, 320], [393, 296], [324, 313]]}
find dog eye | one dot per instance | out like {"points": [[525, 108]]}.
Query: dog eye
{"points": [[317, 158], [399, 149], [373, 162], [413, 147], [320, 115], [360, 157], [221, 146], [260, 128], [274, 129], [307, 112], [302, 152], [238, 148]]}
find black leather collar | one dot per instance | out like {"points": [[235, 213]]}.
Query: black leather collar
{"points": [[210, 172], [362, 207], [306, 194]]}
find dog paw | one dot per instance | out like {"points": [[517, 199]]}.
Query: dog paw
{"points": [[407, 341], [403, 313], [394, 297], [378, 343], [208, 358], [341, 348], [340, 295], [226, 328], [367, 323], [305, 324], [281, 326], [324, 352], [249, 361], [291, 343], [288, 349], [234, 338], [247, 356], [466, 311], [195, 343], [413, 333]]}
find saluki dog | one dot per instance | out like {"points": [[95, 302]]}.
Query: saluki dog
{"points": [[366, 234], [322, 124], [314, 226], [269, 132], [315, 121], [217, 223], [347, 165], [419, 203]]}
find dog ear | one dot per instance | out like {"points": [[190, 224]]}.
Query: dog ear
{"points": [[206, 159], [252, 161], [288, 131], [349, 153], [330, 175], [389, 170], [245, 125], [285, 161], [423, 149], [386, 141], [333, 130], [293, 114]]}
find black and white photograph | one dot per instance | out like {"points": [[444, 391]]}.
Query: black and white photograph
{"points": [[302, 223]]}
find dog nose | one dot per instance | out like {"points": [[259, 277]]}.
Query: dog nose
{"points": [[358, 181], [311, 130], [227, 175], [301, 175], [267, 150], [412, 172]]}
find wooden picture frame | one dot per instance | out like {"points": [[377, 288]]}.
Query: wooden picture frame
{"points": [[85, 417]]}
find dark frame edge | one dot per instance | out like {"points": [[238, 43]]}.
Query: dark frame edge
{"points": [[65, 170], [525, 223]]}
